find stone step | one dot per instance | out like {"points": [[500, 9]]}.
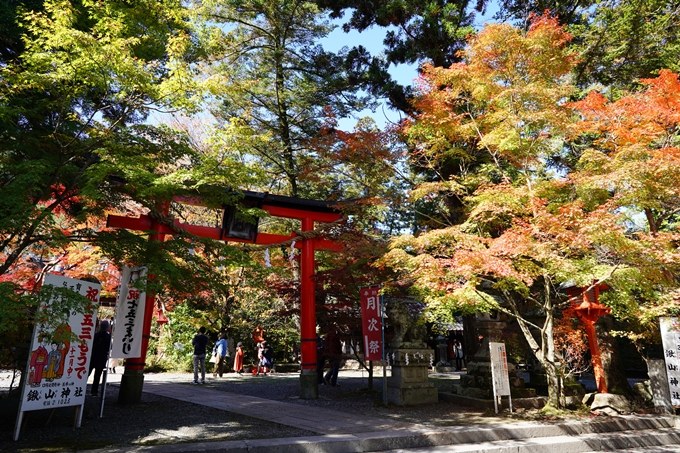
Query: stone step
{"points": [[625, 433], [646, 440]]}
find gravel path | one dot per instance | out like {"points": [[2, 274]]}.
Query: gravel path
{"points": [[155, 421]]}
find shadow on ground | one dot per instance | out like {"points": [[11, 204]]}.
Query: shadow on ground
{"points": [[156, 420]]}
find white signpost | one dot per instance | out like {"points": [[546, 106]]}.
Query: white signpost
{"points": [[57, 372], [129, 321], [128, 324], [499, 373], [670, 338]]}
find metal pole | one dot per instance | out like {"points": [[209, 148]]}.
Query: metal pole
{"points": [[382, 316]]}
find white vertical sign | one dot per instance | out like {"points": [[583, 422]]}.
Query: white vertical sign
{"points": [[57, 371], [129, 320], [670, 338], [499, 372]]}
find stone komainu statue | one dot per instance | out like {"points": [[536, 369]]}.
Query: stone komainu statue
{"points": [[403, 317]]}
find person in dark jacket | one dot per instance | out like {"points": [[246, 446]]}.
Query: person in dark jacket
{"points": [[334, 356], [100, 354], [266, 359], [199, 343]]}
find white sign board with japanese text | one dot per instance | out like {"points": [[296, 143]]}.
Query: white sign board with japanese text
{"points": [[499, 372], [499, 369], [129, 320], [57, 372], [670, 338]]}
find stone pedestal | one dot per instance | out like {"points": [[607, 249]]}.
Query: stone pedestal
{"points": [[478, 383], [443, 349], [131, 385], [658, 380], [309, 386], [409, 384]]}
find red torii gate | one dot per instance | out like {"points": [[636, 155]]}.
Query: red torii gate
{"points": [[586, 303], [307, 211]]}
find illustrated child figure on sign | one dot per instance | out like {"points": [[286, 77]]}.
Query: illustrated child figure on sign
{"points": [[38, 363], [53, 361]]}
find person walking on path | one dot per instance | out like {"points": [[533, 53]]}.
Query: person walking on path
{"points": [[238, 359], [260, 357], [199, 343], [458, 354], [220, 351], [101, 345], [334, 356], [267, 357]]}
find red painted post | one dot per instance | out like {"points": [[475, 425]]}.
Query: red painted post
{"points": [[309, 388], [598, 369]]}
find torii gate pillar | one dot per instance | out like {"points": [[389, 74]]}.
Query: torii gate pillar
{"points": [[132, 380], [309, 387]]}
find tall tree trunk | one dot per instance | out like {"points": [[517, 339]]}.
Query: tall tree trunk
{"points": [[544, 348], [614, 371], [470, 337]]}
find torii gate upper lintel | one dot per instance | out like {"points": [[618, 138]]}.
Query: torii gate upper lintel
{"points": [[307, 211]]}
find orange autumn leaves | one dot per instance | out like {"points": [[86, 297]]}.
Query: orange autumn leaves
{"points": [[635, 148], [505, 98], [503, 114]]}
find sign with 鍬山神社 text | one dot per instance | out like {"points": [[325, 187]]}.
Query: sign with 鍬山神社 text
{"points": [[371, 321], [57, 374], [129, 320], [670, 338], [58, 364]]}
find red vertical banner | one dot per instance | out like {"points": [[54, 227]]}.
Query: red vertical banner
{"points": [[371, 320]]}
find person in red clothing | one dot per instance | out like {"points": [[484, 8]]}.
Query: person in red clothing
{"points": [[258, 335], [238, 358]]}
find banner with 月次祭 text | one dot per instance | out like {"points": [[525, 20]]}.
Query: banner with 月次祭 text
{"points": [[371, 320], [129, 320], [58, 364], [670, 339]]}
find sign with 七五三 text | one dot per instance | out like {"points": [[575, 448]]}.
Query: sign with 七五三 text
{"points": [[129, 320], [59, 365]]}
